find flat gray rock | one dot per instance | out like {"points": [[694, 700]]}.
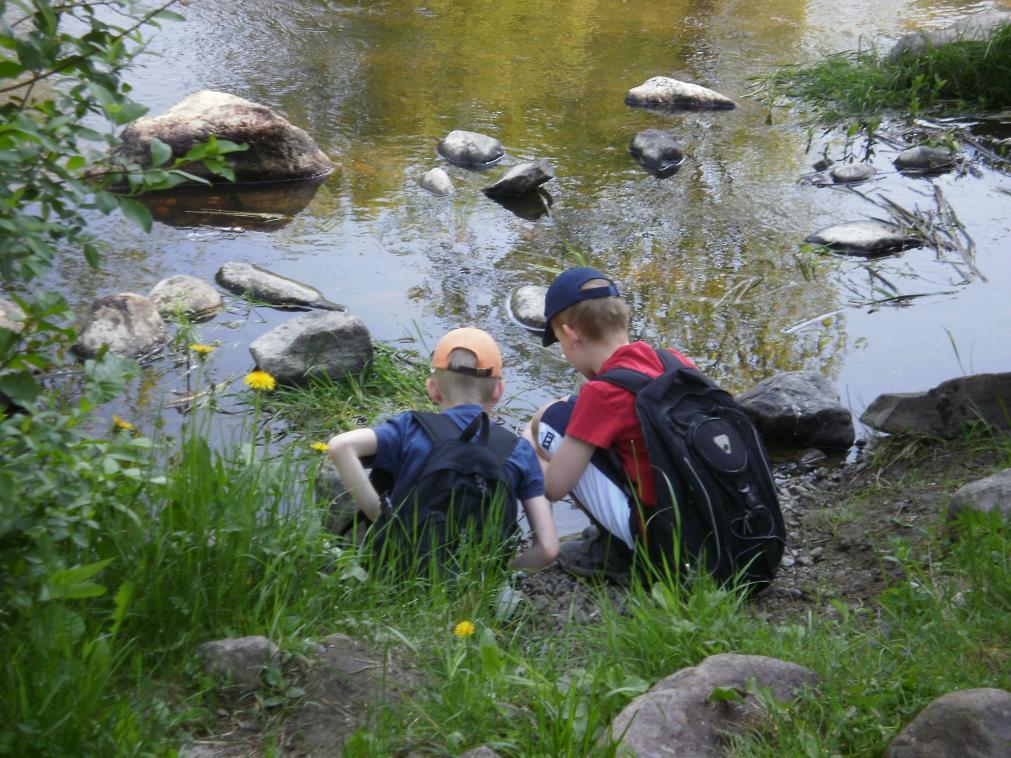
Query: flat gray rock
{"points": [[522, 179], [964, 724], [334, 344], [657, 151], [257, 283], [664, 93], [437, 182], [972, 28], [277, 150], [527, 305], [924, 158], [849, 173], [241, 661], [129, 324], [470, 149], [801, 408], [864, 238], [679, 716], [194, 298], [11, 316], [947, 409], [993, 493]]}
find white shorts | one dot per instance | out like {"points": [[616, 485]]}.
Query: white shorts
{"points": [[595, 492]]}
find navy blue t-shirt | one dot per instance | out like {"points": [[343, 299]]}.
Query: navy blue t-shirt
{"points": [[403, 446]]}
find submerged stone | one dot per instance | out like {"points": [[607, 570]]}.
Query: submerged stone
{"points": [[664, 93], [864, 238], [470, 149], [657, 151], [521, 180], [127, 323], [251, 281], [924, 158], [437, 182], [276, 148], [849, 173]]}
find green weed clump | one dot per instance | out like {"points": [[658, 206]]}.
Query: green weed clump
{"points": [[958, 77]]}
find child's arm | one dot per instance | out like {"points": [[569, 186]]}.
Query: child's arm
{"points": [[566, 466], [346, 450], [544, 549]]}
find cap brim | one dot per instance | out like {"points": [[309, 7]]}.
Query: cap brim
{"points": [[548, 338]]}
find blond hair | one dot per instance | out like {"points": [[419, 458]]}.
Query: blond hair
{"points": [[596, 319], [458, 388]]}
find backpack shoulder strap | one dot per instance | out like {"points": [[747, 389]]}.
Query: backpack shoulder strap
{"points": [[437, 426], [668, 359], [626, 378]]}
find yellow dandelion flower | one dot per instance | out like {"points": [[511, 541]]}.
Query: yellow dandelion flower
{"points": [[260, 380], [201, 350], [321, 446], [122, 423], [463, 629]]}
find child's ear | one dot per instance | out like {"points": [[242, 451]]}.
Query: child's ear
{"points": [[572, 333], [497, 394], [433, 390]]}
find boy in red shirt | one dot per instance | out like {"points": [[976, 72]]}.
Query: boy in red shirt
{"points": [[585, 314]]}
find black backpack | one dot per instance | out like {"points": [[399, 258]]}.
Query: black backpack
{"points": [[715, 491], [461, 491]]}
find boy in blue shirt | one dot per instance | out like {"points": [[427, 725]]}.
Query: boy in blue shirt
{"points": [[466, 381]]}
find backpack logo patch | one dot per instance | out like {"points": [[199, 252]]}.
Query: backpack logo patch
{"points": [[722, 441]]}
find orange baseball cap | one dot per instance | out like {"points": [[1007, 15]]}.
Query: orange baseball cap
{"points": [[486, 352]]}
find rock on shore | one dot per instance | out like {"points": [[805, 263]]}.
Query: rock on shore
{"points": [[314, 344]]}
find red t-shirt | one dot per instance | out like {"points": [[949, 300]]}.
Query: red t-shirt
{"points": [[604, 415]]}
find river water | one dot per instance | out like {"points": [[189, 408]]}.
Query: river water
{"points": [[709, 258]]}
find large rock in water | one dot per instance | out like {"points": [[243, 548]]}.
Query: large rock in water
{"points": [[527, 305], [992, 493], [799, 407], [470, 149], [314, 344], [128, 324], [250, 280], [521, 180], [276, 149], [11, 316], [974, 28], [964, 724], [657, 151], [682, 716], [947, 409], [848, 173], [664, 93], [924, 158], [864, 238], [194, 297]]}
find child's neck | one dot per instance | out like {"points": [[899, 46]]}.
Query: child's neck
{"points": [[599, 352], [445, 405]]}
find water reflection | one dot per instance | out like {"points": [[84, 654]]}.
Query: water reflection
{"points": [[262, 205]]}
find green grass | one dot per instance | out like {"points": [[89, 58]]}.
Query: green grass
{"points": [[961, 77], [229, 543]]}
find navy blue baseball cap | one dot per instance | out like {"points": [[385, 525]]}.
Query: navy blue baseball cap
{"points": [[565, 291]]}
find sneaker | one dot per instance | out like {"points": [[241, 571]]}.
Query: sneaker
{"points": [[596, 555]]}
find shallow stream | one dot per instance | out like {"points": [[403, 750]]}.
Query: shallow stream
{"points": [[710, 257]]}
